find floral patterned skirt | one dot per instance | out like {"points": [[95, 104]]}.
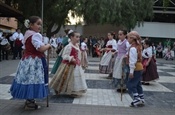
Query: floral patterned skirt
{"points": [[31, 80]]}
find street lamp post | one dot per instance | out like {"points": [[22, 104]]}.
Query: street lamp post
{"points": [[42, 15]]}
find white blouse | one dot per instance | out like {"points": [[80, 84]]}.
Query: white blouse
{"points": [[133, 56], [113, 43], [147, 51], [83, 46], [17, 35], [37, 41]]}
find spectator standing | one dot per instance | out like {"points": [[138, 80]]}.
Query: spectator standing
{"points": [[159, 50], [17, 37], [54, 46]]}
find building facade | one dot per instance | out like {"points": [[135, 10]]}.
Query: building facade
{"points": [[8, 25]]}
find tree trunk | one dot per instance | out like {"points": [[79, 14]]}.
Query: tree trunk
{"points": [[49, 33]]}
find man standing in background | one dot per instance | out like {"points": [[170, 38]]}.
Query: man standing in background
{"points": [[17, 37]]}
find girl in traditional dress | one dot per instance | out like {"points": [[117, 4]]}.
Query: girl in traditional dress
{"points": [[150, 67], [97, 49], [122, 49], [106, 63], [31, 80], [59, 58], [135, 65], [84, 49], [69, 77]]}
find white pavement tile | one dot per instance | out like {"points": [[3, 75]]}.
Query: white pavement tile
{"points": [[164, 67], [93, 67], [4, 91], [51, 62], [96, 76], [106, 97], [51, 66], [169, 65], [94, 63], [172, 73], [166, 79], [13, 74], [159, 70], [155, 87]]}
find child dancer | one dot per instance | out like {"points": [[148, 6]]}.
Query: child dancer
{"points": [[135, 65], [122, 49], [150, 67], [31, 77], [84, 61], [105, 64], [97, 49], [69, 77], [59, 58]]}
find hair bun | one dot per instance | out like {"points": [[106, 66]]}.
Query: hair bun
{"points": [[26, 23]]}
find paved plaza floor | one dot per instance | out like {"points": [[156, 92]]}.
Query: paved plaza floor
{"points": [[101, 97]]}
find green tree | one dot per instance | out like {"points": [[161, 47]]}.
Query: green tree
{"points": [[117, 12]]}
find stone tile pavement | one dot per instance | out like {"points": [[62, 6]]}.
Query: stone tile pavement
{"points": [[159, 96], [15, 107]]}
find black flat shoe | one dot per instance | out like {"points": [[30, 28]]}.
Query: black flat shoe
{"points": [[145, 83], [31, 104]]}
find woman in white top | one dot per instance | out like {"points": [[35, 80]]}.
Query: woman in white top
{"points": [[84, 61], [107, 61], [17, 37], [149, 65]]}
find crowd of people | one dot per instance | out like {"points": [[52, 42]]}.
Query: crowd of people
{"points": [[129, 61], [11, 44]]}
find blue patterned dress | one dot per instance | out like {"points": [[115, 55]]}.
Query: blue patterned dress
{"points": [[31, 80]]}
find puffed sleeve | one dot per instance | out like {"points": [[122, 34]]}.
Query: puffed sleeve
{"points": [[83, 46], [21, 36], [132, 59], [37, 40], [114, 45], [14, 36], [23, 42], [66, 53], [149, 52], [127, 45], [144, 54]]}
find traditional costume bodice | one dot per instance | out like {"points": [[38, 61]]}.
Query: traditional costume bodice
{"points": [[122, 48], [73, 53], [30, 50]]}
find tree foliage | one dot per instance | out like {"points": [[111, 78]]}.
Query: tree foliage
{"points": [[55, 11], [116, 12]]}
